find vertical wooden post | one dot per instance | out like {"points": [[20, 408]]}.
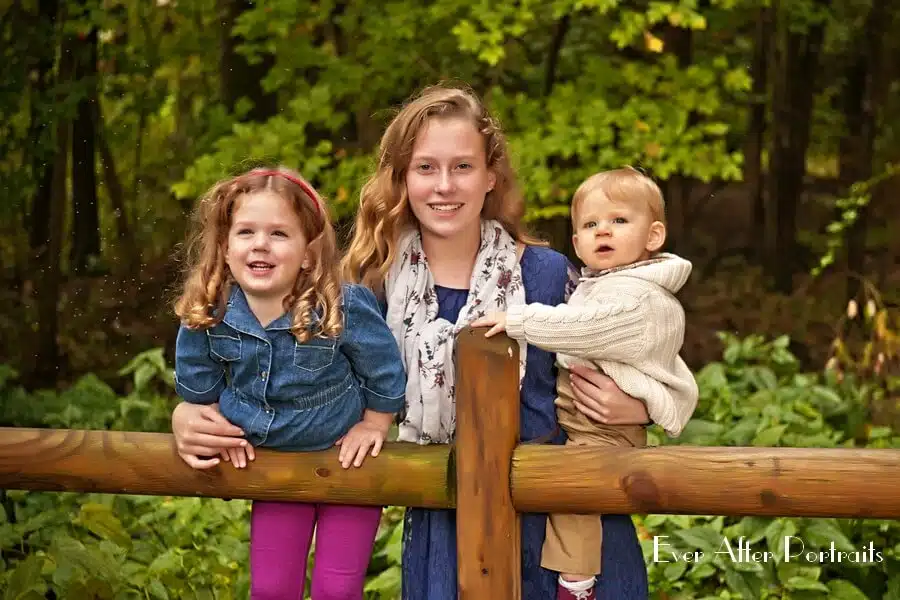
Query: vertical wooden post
{"points": [[487, 431]]}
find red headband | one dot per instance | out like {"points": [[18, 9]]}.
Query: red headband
{"points": [[307, 189]]}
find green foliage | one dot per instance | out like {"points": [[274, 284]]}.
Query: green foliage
{"points": [[757, 396], [646, 110], [848, 209], [102, 546]]}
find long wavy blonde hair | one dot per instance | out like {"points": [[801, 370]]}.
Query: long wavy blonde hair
{"points": [[207, 279], [383, 205]]}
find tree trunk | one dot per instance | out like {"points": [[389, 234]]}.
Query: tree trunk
{"points": [[862, 101], [756, 130], [796, 60], [680, 42], [238, 77], [41, 132], [47, 360], [85, 219], [127, 249]]}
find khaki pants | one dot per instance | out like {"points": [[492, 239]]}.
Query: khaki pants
{"points": [[573, 542]]}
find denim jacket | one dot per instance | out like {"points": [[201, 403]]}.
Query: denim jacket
{"points": [[285, 394]]}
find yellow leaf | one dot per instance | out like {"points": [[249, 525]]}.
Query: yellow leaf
{"points": [[652, 149], [641, 126], [653, 43], [341, 194]]}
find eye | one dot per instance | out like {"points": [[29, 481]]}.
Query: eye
{"points": [[244, 231], [620, 220], [590, 224], [464, 166], [424, 167], [279, 233]]}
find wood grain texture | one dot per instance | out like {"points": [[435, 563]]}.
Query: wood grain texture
{"points": [[808, 482], [146, 463], [487, 431]]}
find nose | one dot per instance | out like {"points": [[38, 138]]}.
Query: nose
{"points": [[603, 229], [261, 241], [444, 183]]}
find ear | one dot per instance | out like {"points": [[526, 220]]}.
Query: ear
{"points": [[575, 246], [656, 237], [492, 180]]}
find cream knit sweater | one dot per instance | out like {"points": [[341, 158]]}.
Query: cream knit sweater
{"points": [[627, 323]]}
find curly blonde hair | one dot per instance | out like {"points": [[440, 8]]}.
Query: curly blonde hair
{"points": [[207, 279], [383, 205]]}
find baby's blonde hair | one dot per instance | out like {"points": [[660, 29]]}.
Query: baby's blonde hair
{"points": [[626, 185], [207, 279]]}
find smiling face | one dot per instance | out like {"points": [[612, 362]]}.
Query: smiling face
{"points": [[448, 178], [266, 246], [612, 233]]}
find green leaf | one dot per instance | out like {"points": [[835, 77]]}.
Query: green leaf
{"points": [[26, 580], [675, 570], [841, 589], [386, 584], [822, 532], [71, 553], [739, 582], [158, 590], [803, 583], [99, 519], [770, 436], [703, 538], [702, 571]]}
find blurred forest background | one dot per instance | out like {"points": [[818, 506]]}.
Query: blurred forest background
{"points": [[773, 127]]}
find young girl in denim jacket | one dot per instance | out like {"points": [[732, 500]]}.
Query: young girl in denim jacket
{"points": [[296, 360]]}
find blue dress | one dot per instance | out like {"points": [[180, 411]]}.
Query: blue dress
{"points": [[429, 536]]}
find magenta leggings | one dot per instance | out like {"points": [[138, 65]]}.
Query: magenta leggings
{"points": [[280, 536]]}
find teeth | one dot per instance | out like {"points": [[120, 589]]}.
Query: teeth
{"points": [[445, 207]]}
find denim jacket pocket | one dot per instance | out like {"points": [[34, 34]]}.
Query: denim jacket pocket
{"points": [[225, 347], [315, 355]]}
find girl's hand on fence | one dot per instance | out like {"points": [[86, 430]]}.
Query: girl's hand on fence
{"points": [[239, 457], [599, 398], [201, 433], [362, 437], [496, 322]]}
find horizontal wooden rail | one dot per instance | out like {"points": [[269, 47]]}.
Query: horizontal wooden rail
{"points": [[146, 463], [806, 482], [802, 482]]}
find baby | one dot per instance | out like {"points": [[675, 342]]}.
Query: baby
{"points": [[624, 320]]}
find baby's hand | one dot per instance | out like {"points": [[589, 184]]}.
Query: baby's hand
{"points": [[357, 442], [239, 456], [496, 321]]}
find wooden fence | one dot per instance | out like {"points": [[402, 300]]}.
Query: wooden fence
{"points": [[486, 474]]}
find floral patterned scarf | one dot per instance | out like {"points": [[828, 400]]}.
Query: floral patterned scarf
{"points": [[427, 343]]}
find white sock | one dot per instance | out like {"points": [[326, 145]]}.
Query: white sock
{"points": [[577, 586]]}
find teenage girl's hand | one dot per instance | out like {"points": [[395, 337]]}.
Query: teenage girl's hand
{"points": [[366, 435], [202, 432], [599, 398], [496, 321]]}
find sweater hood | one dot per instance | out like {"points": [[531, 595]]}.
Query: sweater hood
{"points": [[668, 271]]}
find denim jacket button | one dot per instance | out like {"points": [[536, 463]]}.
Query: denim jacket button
{"points": [[263, 374]]}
